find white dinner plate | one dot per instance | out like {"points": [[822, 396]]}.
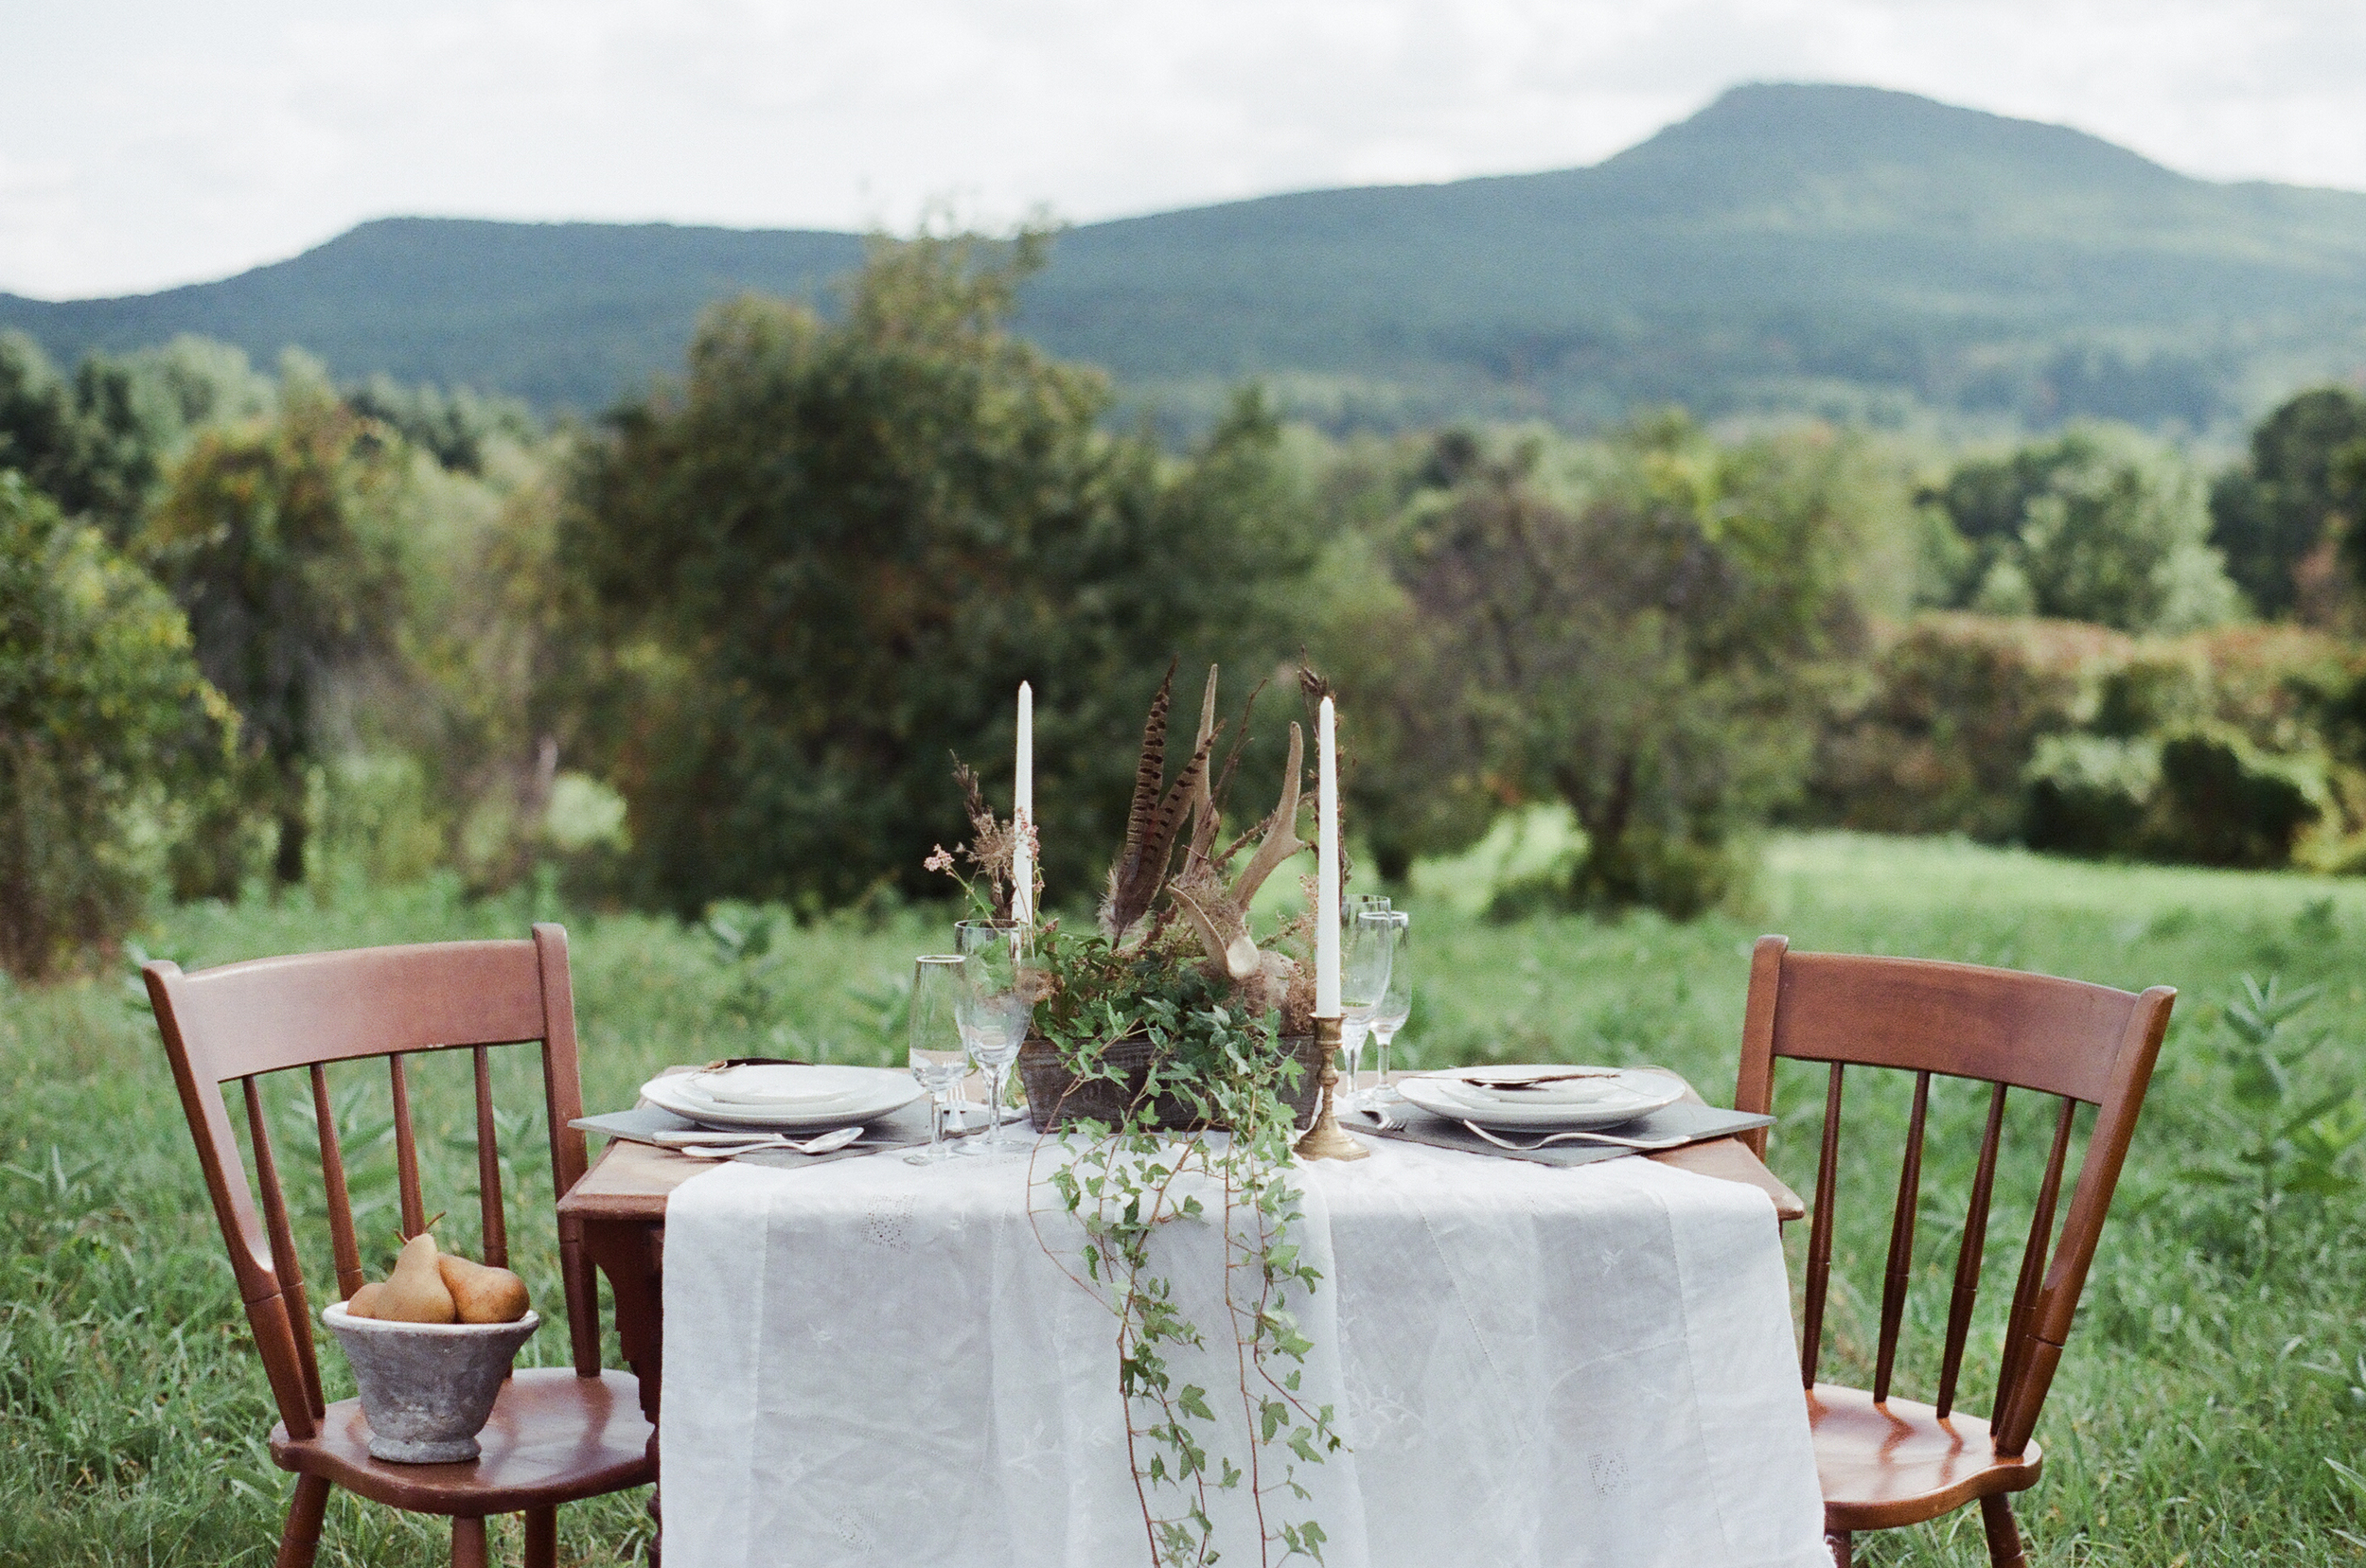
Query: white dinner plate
{"points": [[889, 1091], [781, 1085], [1634, 1092]]}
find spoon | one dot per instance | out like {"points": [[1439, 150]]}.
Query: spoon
{"points": [[823, 1145]]}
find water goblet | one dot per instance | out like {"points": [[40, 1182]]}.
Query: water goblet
{"points": [[1395, 1005], [1366, 942], [994, 1009], [939, 1059]]}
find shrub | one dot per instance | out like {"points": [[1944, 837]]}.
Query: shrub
{"points": [[102, 712], [1949, 720], [2222, 803], [2237, 746]]}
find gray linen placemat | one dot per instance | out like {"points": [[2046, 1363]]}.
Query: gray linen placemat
{"points": [[1685, 1120]]}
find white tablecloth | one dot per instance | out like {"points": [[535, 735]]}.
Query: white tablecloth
{"points": [[872, 1362]]}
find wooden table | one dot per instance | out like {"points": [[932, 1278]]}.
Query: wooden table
{"points": [[619, 1207]]}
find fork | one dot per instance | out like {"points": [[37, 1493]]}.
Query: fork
{"points": [[823, 1145], [1566, 1138]]}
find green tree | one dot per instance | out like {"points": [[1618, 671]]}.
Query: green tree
{"points": [[2096, 526], [97, 443], [829, 556], [1647, 648], [281, 539], [2291, 500], [104, 722]]}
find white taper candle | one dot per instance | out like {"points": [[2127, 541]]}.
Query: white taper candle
{"points": [[1327, 871], [1023, 812]]}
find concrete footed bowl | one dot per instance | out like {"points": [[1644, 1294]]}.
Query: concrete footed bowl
{"points": [[427, 1388]]}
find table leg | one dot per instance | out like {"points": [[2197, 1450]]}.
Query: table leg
{"points": [[633, 1258]]}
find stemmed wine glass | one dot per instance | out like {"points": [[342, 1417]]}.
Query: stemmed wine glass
{"points": [[938, 1058], [1396, 1002], [1367, 941], [994, 1010]]}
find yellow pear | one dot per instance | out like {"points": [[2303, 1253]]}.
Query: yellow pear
{"points": [[482, 1293], [363, 1302], [415, 1293]]}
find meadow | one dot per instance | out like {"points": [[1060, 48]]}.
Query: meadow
{"points": [[2210, 1410]]}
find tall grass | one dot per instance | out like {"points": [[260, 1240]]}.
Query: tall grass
{"points": [[2210, 1381]]}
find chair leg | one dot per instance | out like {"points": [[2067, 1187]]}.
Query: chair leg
{"points": [[542, 1538], [1838, 1542], [301, 1536], [468, 1544], [1996, 1517]]}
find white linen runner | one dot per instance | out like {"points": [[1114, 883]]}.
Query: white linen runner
{"points": [[873, 1362]]}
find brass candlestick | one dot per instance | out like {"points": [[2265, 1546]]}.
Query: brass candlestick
{"points": [[1324, 1140]]}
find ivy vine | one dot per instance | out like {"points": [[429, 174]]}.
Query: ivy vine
{"points": [[1211, 1066]]}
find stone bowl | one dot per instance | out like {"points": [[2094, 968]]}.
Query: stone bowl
{"points": [[427, 1388]]}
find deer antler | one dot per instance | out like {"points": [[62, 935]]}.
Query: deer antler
{"points": [[1281, 840], [1220, 914]]}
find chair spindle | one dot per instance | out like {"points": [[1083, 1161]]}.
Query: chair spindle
{"points": [[1902, 1260], [406, 1152], [489, 1166], [341, 1239], [284, 1261], [1820, 1232], [1968, 1256], [2033, 1260]]}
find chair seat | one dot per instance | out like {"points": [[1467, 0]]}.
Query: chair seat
{"points": [[1897, 1463], [553, 1437]]}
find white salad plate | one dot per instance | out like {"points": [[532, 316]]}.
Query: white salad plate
{"points": [[883, 1091], [1631, 1092]]}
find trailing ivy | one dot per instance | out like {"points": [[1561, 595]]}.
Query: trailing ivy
{"points": [[1123, 1182]]}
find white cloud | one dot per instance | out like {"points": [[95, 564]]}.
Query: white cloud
{"points": [[144, 143]]}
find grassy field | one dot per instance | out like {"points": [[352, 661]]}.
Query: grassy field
{"points": [[2213, 1377]]}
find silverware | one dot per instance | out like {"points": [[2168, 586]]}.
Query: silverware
{"points": [[692, 1139], [1566, 1138], [1536, 1081], [826, 1143]]}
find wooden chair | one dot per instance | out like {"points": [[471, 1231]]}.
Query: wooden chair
{"points": [[1885, 1462], [555, 1434]]}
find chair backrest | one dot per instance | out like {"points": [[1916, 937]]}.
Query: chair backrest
{"points": [[2079, 1042], [245, 1020]]}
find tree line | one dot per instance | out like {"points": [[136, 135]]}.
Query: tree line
{"points": [[257, 629]]}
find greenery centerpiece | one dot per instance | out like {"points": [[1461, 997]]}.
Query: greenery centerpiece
{"points": [[1169, 1052]]}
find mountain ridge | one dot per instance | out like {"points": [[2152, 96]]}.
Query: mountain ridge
{"points": [[1846, 250]]}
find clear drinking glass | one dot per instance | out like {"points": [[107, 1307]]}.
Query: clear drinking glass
{"points": [[1396, 1002], [994, 1011], [939, 1060], [1367, 941]]}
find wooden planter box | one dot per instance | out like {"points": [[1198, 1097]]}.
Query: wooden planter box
{"points": [[1055, 1097]]}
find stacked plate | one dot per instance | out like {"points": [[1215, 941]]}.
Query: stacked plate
{"points": [[773, 1097], [1548, 1096]]}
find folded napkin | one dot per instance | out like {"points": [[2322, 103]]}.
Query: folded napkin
{"points": [[644, 1122], [1679, 1125]]}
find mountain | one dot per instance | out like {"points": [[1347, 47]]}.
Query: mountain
{"points": [[1840, 250], [560, 314]]}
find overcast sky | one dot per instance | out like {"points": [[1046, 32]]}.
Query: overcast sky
{"points": [[145, 143]]}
